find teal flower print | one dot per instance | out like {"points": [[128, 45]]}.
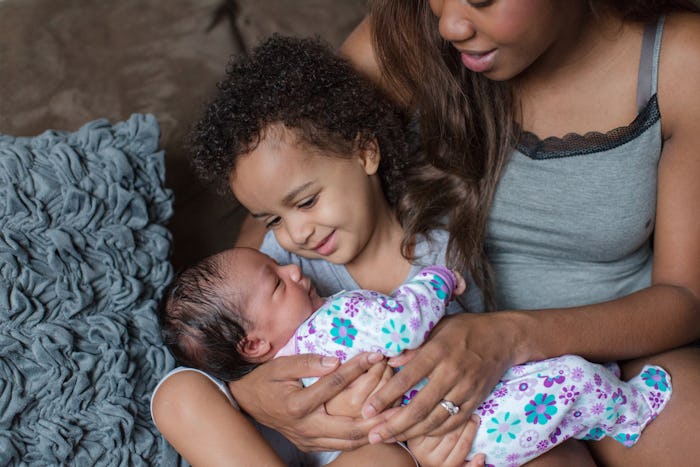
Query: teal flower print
{"points": [[395, 336], [541, 408], [627, 439], [656, 378], [440, 287], [503, 427], [343, 332], [594, 434]]}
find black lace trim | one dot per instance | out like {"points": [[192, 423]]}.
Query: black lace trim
{"points": [[574, 144]]}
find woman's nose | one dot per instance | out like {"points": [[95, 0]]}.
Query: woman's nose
{"points": [[454, 23]]}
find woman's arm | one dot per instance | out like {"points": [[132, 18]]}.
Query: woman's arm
{"points": [[202, 425], [298, 412], [466, 355]]}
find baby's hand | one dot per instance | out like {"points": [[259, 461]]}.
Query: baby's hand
{"points": [[449, 450], [461, 286]]}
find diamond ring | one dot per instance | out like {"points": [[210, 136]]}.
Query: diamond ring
{"points": [[450, 406]]}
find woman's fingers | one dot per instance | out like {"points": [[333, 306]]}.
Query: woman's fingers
{"points": [[299, 413]]}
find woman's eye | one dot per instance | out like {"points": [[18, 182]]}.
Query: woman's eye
{"points": [[273, 222], [309, 202]]}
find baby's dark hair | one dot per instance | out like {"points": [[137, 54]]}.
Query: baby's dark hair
{"points": [[302, 84], [201, 321]]}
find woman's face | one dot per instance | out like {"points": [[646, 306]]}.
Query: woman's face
{"points": [[499, 38]]}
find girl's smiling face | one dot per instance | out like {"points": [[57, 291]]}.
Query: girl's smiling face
{"points": [[317, 205]]}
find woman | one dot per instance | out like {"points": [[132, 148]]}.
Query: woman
{"points": [[569, 232]]}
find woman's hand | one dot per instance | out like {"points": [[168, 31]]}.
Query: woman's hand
{"points": [[463, 360], [274, 396]]}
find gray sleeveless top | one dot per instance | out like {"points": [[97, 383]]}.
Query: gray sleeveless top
{"points": [[572, 217]]}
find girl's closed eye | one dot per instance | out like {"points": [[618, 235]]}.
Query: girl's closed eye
{"points": [[273, 222], [308, 202], [481, 4]]}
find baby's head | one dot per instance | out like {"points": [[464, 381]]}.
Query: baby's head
{"points": [[299, 88], [234, 310]]}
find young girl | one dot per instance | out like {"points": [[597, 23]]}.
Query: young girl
{"points": [[298, 136], [239, 308], [586, 113]]}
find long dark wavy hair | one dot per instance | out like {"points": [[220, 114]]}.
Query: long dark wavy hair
{"points": [[467, 122]]}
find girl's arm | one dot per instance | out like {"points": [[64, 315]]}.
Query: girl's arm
{"points": [[467, 354], [202, 425]]}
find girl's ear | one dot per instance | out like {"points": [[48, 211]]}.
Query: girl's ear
{"points": [[369, 156], [254, 348]]}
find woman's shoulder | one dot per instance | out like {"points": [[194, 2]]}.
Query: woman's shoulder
{"points": [[679, 67]]}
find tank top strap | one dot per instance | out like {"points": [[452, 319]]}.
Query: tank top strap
{"points": [[649, 62]]}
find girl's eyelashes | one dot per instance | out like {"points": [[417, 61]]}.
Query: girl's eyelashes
{"points": [[273, 222], [308, 202], [481, 4]]}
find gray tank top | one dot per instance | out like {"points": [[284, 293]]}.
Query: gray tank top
{"points": [[572, 217]]}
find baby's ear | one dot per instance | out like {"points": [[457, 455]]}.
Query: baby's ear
{"points": [[369, 156], [254, 348]]}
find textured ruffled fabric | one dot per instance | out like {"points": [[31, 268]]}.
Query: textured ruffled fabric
{"points": [[84, 258]]}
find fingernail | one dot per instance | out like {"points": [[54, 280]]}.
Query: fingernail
{"points": [[368, 412], [329, 361], [375, 357], [374, 438]]}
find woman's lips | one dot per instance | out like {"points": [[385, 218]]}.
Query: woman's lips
{"points": [[327, 245], [478, 62]]}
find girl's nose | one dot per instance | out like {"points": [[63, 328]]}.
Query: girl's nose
{"points": [[454, 24], [299, 231]]}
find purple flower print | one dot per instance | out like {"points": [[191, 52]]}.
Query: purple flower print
{"points": [[597, 379], [587, 387], [655, 378], [656, 399], [500, 392], [541, 409], [577, 374], [513, 458], [342, 356], [523, 389], [529, 439], [601, 394], [597, 408], [414, 323], [569, 394], [391, 305], [487, 407], [543, 445], [309, 347]]}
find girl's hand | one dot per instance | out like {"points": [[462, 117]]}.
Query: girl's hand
{"points": [[463, 360], [448, 450], [274, 396]]}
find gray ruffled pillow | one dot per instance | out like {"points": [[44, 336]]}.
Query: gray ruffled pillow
{"points": [[84, 257]]}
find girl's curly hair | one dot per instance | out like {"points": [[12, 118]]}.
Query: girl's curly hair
{"points": [[303, 84]]}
